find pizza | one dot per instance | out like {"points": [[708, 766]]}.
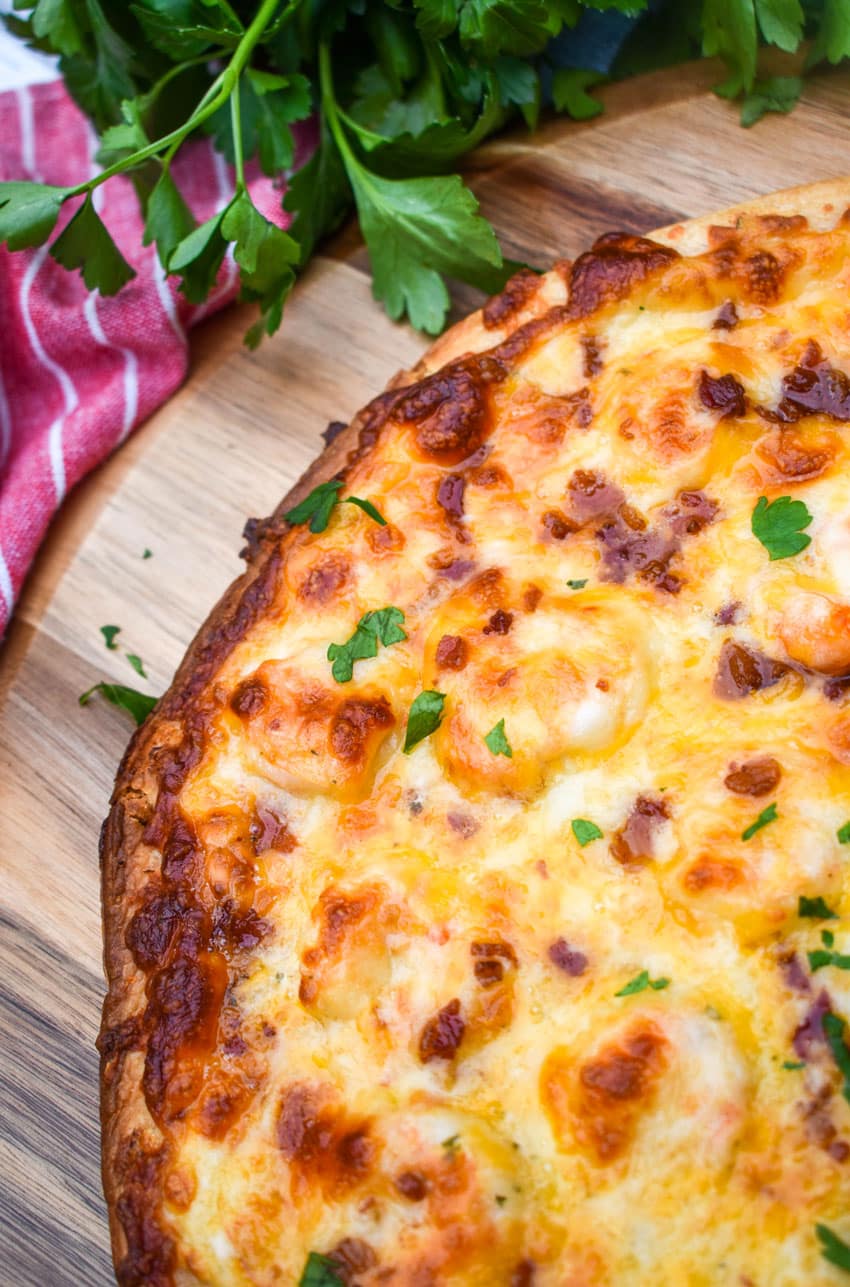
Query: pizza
{"points": [[475, 898]]}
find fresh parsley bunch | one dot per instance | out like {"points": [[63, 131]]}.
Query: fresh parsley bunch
{"points": [[403, 89]]}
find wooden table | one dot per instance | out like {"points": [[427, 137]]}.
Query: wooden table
{"points": [[229, 445]]}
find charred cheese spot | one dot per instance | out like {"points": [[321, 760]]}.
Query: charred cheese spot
{"points": [[598, 1103], [308, 737], [815, 631], [324, 1147], [350, 944], [541, 675]]}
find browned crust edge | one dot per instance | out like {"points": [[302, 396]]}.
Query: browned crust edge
{"points": [[122, 1105]]}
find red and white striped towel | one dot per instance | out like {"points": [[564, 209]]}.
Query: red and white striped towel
{"points": [[78, 372]]}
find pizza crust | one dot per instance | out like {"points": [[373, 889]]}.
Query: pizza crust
{"points": [[123, 1108]]}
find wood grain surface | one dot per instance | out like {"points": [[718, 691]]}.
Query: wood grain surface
{"points": [[229, 445]]}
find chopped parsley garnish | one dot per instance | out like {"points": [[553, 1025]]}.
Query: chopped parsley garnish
{"points": [[148, 554], [640, 983], [109, 633], [452, 1144], [318, 507], [767, 815], [815, 908], [367, 508], [820, 958], [585, 831], [139, 705], [319, 1272], [793, 1064], [833, 1248], [844, 834], [833, 1028], [425, 715], [779, 526], [136, 663], [577, 585], [381, 626], [497, 741]]}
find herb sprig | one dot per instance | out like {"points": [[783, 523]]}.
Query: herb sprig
{"points": [[404, 89]]}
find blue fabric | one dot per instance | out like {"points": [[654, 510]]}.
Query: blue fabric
{"points": [[593, 43]]}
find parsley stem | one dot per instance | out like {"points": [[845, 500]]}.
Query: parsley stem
{"points": [[236, 130], [215, 97]]}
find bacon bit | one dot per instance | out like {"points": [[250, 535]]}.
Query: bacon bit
{"points": [[450, 495], [452, 653], [442, 1035], [500, 623], [728, 614], [557, 526], [567, 958], [351, 1257], [412, 1185], [592, 496], [810, 1032], [648, 554], [742, 671], [795, 976], [727, 317], [463, 824], [814, 387], [632, 845], [690, 512], [755, 777], [835, 689], [724, 394]]}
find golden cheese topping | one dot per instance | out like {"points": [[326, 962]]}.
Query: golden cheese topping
{"points": [[540, 978]]}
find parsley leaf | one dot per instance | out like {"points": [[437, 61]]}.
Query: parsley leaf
{"points": [[147, 554], [136, 663], [833, 1248], [779, 526], [319, 1272], [28, 212], [138, 704], [640, 983], [367, 508], [781, 22], [109, 633], [776, 94], [424, 718], [197, 259], [317, 507], [815, 908], [767, 815], [585, 831], [577, 585], [569, 92], [729, 29], [843, 834], [791, 1065], [169, 220], [833, 1028], [497, 742], [319, 195], [382, 625], [84, 243], [833, 38]]}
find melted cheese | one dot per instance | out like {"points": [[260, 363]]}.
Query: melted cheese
{"points": [[448, 1088]]}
